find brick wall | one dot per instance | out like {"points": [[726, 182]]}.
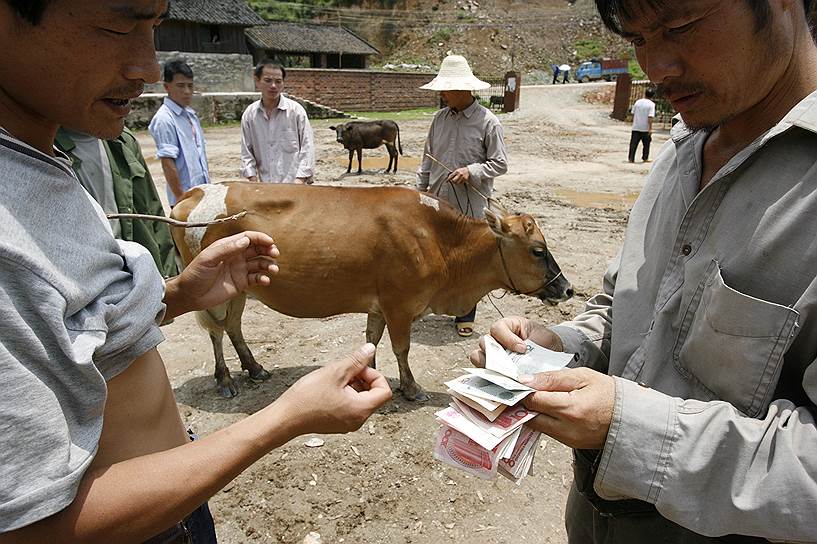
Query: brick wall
{"points": [[362, 90], [211, 108]]}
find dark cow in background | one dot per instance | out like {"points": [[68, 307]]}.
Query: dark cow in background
{"points": [[360, 135]]}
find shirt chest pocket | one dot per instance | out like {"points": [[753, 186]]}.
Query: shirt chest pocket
{"points": [[731, 345], [289, 141]]}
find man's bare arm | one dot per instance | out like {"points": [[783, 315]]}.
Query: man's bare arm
{"points": [[133, 500], [172, 176]]}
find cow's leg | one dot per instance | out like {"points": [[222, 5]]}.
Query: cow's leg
{"points": [[375, 325], [351, 153], [224, 382], [360, 161], [400, 335], [232, 324], [392, 157]]}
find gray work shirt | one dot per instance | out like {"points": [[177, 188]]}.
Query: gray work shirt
{"points": [[77, 307], [471, 138], [712, 307]]}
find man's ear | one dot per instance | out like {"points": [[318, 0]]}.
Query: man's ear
{"points": [[497, 223]]}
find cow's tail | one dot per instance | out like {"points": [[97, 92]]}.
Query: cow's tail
{"points": [[399, 145]]}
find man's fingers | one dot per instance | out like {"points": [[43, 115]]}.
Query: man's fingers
{"points": [[354, 364], [559, 380], [378, 390], [547, 402], [478, 358], [508, 334]]}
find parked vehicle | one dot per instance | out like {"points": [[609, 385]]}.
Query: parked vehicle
{"points": [[595, 69]]}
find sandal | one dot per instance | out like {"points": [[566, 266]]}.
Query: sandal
{"points": [[465, 328]]}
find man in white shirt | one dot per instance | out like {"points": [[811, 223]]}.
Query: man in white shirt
{"points": [[276, 139], [643, 114]]}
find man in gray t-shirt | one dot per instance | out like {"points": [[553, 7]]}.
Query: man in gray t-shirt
{"points": [[92, 447]]}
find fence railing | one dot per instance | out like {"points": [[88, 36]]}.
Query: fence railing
{"points": [[663, 109]]}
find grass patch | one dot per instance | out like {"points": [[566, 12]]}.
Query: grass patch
{"points": [[405, 115]]}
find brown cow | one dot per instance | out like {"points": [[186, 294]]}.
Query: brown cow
{"points": [[390, 252], [360, 135]]}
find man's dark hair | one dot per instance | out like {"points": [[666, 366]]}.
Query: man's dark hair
{"points": [[612, 12], [649, 93], [269, 63], [30, 10], [174, 67]]}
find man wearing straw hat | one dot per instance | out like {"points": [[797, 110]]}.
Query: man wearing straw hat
{"points": [[464, 150]]}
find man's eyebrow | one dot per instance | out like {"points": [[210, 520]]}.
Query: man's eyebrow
{"points": [[129, 12]]}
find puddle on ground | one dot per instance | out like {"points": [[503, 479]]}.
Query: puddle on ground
{"points": [[597, 200], [376, 162]]}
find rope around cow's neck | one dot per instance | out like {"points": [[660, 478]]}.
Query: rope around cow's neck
{"points": [[468, 185], [175, 222]]}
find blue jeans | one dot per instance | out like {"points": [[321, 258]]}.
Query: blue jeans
{"points": [[197, 528], [467, 318]]}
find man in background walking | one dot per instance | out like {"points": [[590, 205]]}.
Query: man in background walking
{"points": [[643, 115], [177, 131]]}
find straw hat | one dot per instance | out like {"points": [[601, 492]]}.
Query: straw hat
{"points": [[455, 75]]}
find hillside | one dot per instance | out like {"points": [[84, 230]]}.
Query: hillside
{"points": [[495, 35]]}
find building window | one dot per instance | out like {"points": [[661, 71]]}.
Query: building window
{"points": [[215, 34]]}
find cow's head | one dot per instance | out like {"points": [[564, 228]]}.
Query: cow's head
{"points": [[527, 264], [339, 132]]}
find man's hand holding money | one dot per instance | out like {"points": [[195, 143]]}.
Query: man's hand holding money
{"points": [[575, 406]]}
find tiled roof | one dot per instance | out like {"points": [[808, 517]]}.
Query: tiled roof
{"points": [[214, 12], [308, 38]]}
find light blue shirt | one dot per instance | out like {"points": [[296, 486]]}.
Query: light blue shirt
{"points": [[178, 136]]}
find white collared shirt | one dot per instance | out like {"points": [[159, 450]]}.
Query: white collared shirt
{"points": [[277, 148]]}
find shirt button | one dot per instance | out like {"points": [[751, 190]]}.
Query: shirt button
{"points": [[686, 249]]}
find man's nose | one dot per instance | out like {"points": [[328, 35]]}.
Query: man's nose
{"points": [[147, 70], [660, 61]]}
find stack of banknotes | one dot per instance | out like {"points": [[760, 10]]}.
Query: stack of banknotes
{"points": [[483, 429]]}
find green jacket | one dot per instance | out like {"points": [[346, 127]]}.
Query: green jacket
{"points": [[134, 192]]}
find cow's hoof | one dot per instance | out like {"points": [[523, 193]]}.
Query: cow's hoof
{"points": [[259, 374], [415, 394], [228, 391]]}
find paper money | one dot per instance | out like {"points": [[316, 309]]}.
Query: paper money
{"points": [[535, 360], [490, 415], [499, 379], [454, 419], [457, 450], [519, 462], [474, 386], [509, 420]]}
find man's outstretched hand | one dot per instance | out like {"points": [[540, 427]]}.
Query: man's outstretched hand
{"points": [[337, 398], [221, 271]]}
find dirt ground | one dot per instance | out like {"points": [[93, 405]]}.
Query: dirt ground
{"points": [[568, 168]]}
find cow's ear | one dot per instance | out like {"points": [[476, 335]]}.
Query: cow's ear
{"points": [[332, 128], [530, 225], [497, 223]]}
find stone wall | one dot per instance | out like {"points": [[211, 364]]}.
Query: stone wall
{"points": [[214, 108], [213, 72], [362, 90]]}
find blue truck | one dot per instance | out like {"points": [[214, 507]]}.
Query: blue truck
{"points": [[606, 69]]}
